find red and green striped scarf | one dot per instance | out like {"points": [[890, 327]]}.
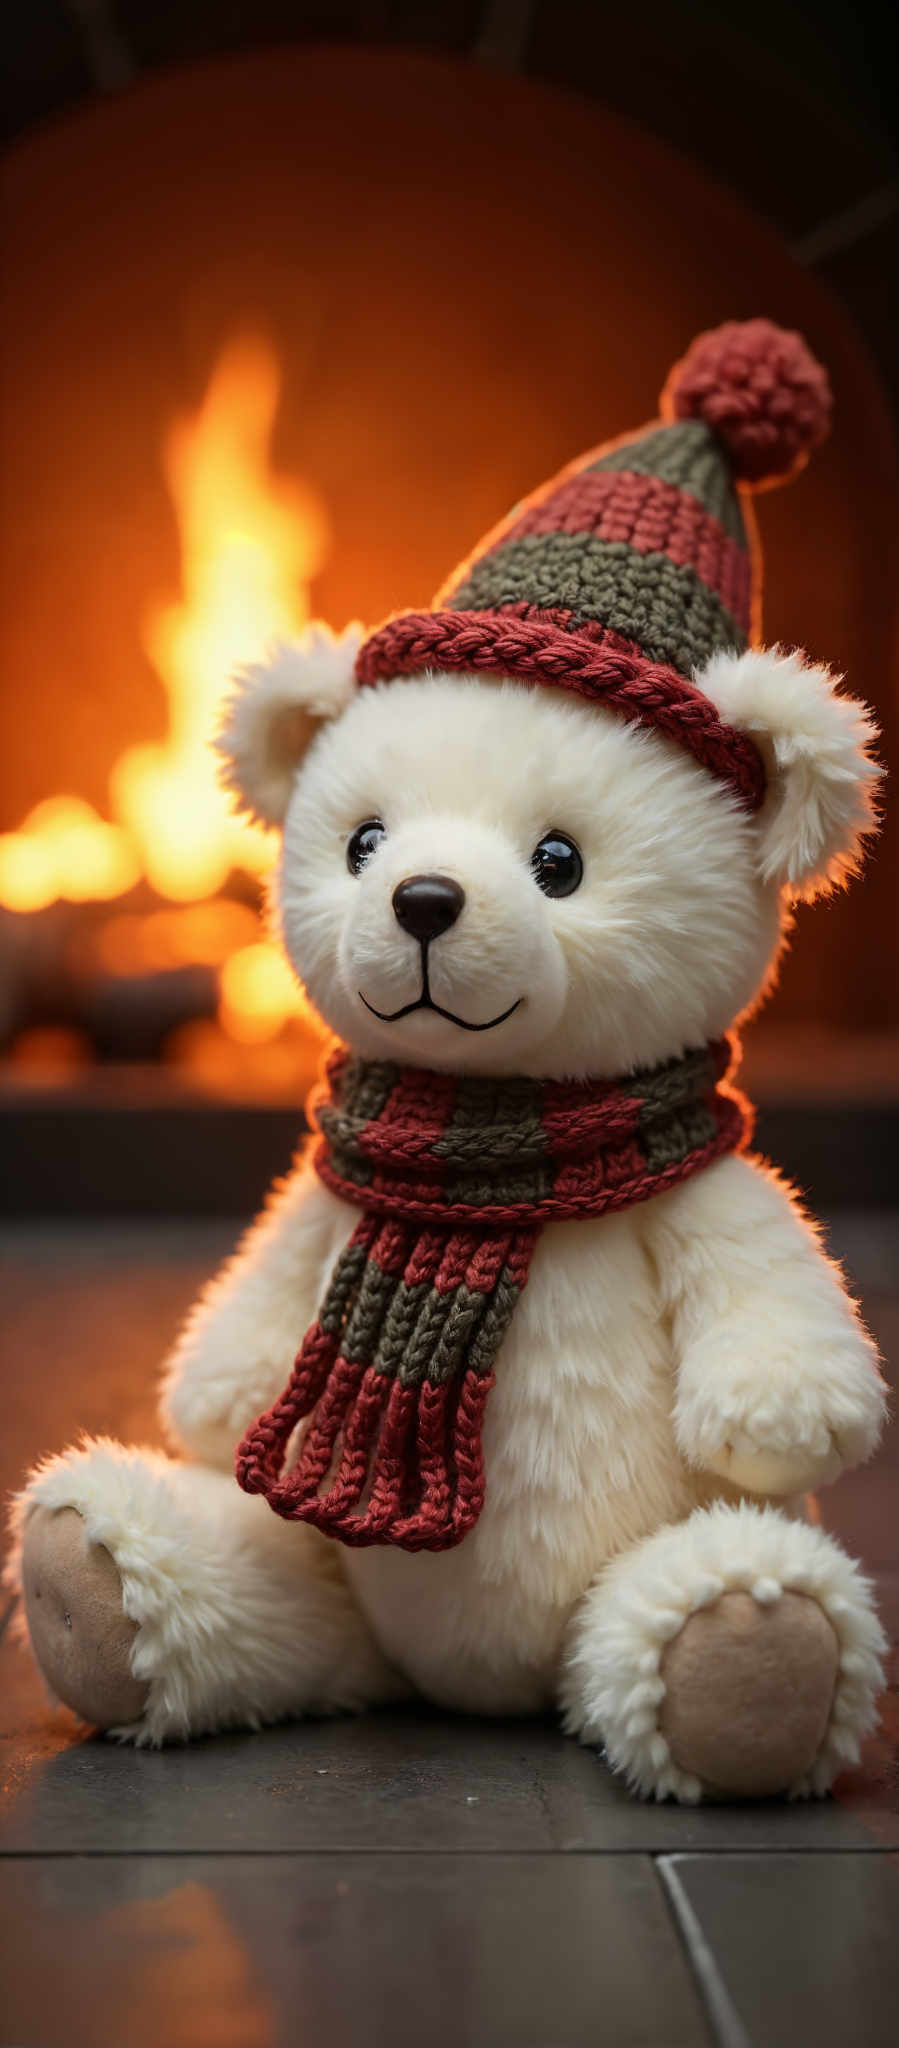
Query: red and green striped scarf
{"points": [[455, 1178]]}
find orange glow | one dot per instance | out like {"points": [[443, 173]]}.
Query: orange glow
{"points": [[250, 543], [280, 1069], [259, 994], [197, 933], [49, 1053], [64, 850]]}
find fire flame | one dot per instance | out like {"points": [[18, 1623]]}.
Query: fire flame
{"points": [[64, 849], [250, 543]]}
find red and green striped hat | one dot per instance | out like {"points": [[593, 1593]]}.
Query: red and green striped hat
{"points": [[621, 577]]}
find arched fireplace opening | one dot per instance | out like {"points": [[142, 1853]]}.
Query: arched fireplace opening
{"points": [[284, 335]]}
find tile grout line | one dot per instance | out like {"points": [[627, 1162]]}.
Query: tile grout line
{"points": [[659, 1857], [726, 2025]]}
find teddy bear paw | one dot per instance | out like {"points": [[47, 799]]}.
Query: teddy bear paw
{"points": [[759, 1468], [735, 1654], [80, 1634]]}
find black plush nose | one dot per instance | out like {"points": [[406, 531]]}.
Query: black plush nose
{"points": [[427, 905]]}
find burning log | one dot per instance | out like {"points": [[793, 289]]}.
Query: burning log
{"points": [[124, 978]]}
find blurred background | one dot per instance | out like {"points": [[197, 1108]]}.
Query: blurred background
{"points": [[299, 299]]}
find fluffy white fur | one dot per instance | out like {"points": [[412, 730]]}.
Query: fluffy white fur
{"points": [[818, 748], [777, 1382], [692, 1349], [613, 1689]]}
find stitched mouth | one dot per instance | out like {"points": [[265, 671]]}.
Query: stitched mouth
{"points": [[425, 1002]]}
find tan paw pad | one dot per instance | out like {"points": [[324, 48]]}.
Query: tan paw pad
{"points": [[749, 1689], [80, 1633]]}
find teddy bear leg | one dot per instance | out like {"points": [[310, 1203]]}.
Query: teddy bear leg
{"points": [[161, 1602], [736, 1655]]}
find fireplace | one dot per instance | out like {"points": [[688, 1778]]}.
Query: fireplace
{"points": [[134, 933], [284, 335]]}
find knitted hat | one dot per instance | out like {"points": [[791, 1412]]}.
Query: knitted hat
{"points": [[624, 574]]}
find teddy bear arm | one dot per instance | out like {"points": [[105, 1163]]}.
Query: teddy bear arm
{"points": [[239, 1343], [778, 1386]]}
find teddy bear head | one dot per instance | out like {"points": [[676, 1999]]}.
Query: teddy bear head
{"points": [[488, 867]]}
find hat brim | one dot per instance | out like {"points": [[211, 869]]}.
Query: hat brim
{"points": [[536, 650]]}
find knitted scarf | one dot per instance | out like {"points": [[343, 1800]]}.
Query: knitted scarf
{"points": [[455, 1178]]}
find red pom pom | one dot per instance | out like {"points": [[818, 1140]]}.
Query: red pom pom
{"points": [[762, 392]]}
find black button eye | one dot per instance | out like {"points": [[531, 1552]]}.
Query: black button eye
{"points": [[556, 865], [363, 843]]}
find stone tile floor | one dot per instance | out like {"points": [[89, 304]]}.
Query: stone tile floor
{"points": [[405, 1877]]}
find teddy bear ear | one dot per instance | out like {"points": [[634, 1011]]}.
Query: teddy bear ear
{"points": [[817, 746], [273, 711]]}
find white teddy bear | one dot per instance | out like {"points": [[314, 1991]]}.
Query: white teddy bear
{"points": [[571, 1358]]}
